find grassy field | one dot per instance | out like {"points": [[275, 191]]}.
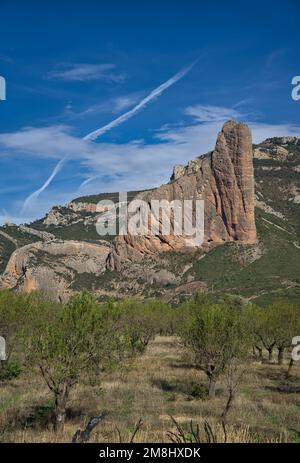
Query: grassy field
{"points": [[155, 386]]}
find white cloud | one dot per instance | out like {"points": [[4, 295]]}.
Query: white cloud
{"points": [[86, 72], [261, 131], [50, 142], [112, 105], [204, 113]]}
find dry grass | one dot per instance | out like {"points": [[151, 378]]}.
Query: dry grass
{"points": [[154, 387]]}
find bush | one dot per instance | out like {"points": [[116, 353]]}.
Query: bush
{"points": [[9, 370], [140, 322], [199, 391]]}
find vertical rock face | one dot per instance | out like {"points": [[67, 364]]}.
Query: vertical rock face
{"points": [[232, 168], [224, 179]]}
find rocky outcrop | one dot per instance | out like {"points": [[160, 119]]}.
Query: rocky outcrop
{"points": [[232, 169], [283, 140], [161, 277], [278, 152], [73, 213], [45, 236], [48, 265], [278, 149], [224, 179], [83, 207], [178, 171], [60, 216]]}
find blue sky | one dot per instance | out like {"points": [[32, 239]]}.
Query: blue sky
{"points": [[74, 67]]}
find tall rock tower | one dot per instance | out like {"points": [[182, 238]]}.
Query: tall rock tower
{"points": [[224, 179]]}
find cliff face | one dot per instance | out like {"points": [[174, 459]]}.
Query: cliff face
{"points": [[232, 169], [63, 252], [48, 265], [224, 179]]}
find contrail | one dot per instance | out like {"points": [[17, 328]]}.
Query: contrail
{"points": [[87, 181], [154, 94], [116, 122], [37, 193]]}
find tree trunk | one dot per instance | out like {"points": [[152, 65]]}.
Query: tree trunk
{"points": [[270, 350], [289, 371], [228, 406], [280, 355], [60, 412], [260, 352], [212, 387]]}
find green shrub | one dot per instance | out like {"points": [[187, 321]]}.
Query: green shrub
{"points": [[199, 391], [9, 370]]}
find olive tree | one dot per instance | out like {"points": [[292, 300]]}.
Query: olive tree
{"points": [[215, 335], [66, 342], [264, 330], [141, 322], [254, 316], [273, 327]]}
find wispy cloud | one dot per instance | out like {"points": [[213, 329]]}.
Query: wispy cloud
{"points": [[113, 105], [86, 72], [51, 142], [204, 113]]}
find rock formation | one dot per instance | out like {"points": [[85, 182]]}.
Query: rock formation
{"points": [[40, 265], [224, 179]]}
